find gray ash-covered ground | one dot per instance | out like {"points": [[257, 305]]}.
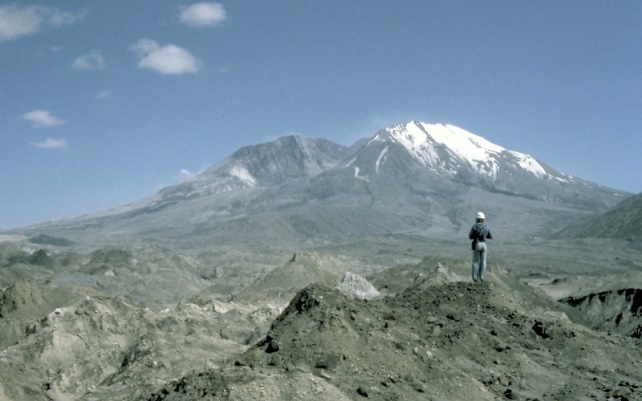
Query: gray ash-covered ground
{"points": [[432, 335], [434, 341], [456, 341]]}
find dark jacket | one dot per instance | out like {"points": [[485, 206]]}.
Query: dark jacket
{"points": [[479, 232]]}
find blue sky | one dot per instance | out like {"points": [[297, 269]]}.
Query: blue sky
{"points": [[105, 102]]}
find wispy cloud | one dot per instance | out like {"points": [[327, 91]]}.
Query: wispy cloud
{"points": [[17, 21], [90, 61], [42, 118], [168, 59], [52, 144], [103, 94], [186, 175], [203, 15]]}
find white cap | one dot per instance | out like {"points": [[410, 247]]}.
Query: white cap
{"points": [[480, 216]]}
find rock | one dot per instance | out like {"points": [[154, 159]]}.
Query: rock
{"points": [[273, 346], [540, 330], [355, 286], [362, 391], [509, 394]]}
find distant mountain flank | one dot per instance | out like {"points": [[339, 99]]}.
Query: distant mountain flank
{"points": [[263, 165], [623, 222], [427, 179]]}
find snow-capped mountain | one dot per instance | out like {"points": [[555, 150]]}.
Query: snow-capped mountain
{"points": [[416, 157], [449, 150], [427, 179], [448, 156]]}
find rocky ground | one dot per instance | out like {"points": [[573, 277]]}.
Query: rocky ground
{"points": [[294, 332], [444, 341]]}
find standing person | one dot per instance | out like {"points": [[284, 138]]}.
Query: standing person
{"points": [[479, 233]]}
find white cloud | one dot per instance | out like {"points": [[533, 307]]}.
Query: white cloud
{"points": [[103, 94], [186, 175], [201, 15], [52, 144], [17, 21], [42, 118], [90, 61], [168, 59]]}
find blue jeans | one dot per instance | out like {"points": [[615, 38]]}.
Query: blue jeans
{"points": [[479, 262]]}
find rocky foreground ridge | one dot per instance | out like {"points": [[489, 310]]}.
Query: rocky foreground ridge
{"points": [[429, 334]]}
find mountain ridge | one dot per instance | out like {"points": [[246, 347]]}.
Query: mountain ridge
{"points": [[254, 166], [622, 222], [415, 177], [463, 156]]}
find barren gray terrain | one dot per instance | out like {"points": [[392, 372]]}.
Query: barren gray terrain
{"points": [[286, 273], [554, 321]]}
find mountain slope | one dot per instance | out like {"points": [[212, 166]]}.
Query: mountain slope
{"points": [[461, 157], [623, 222], [421, 178], [432, 178], [263, 165]]}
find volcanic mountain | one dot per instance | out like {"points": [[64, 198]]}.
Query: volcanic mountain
{"points": [[426, 179]]}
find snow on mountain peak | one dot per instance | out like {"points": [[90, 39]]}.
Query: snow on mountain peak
{"points": [[242, 174], [445, 147]]}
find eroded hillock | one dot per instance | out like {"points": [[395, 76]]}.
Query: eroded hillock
{"points": [[25, 302], [43, 239], [22, 295], [396, 280], [247, 385], [301, 270], [111, 257], [446, 341], [619, 311], [110, 348]]}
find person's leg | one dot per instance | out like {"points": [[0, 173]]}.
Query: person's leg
{"points": [[476, 256], [482, 263]]}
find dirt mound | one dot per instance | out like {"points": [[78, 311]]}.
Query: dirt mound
{"points": [[44, 239], [449, 341], [26, 302], [300, 271], [11, 254], [247, 385], [103, 259], [436, 270], [69, 351], [106, 348], [22, 295]]}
